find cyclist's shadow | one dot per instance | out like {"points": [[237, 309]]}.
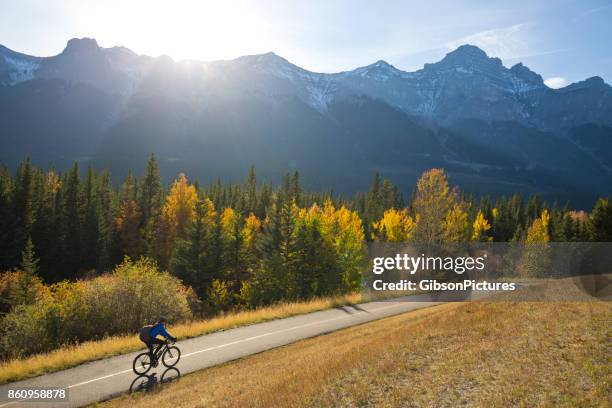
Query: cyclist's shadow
{"points": [[148, 382]]}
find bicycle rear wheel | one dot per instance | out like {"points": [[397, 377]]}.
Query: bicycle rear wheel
{"points": [[142, 363], [171, 356]]}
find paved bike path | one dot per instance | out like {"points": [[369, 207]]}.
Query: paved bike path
{"points": [[104, 379]]}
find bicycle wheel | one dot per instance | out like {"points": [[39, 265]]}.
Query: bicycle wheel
{"points": [[171, 356], [142, 363]]}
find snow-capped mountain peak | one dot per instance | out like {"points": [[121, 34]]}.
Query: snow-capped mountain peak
{"points": [[465, 83], [16, 67]]}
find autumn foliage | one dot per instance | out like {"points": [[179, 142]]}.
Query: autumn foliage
{"points": [[221, 247]]}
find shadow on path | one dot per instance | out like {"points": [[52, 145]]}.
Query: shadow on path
{"points": [[351, 309], [150, 381]]}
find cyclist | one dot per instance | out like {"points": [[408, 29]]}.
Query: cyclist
{"points": [[149, 333]]}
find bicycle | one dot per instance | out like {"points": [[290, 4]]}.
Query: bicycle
{"points": [[169, 356]]}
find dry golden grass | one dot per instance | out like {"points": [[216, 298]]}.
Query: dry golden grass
{"points": [[469, 354], [74, 355]]}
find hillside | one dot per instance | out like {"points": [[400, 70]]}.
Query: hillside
{"points": [[446, 356]]}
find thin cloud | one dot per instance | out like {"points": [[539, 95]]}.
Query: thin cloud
{"points": [[506, 42], [538, 54], [595, 10]]}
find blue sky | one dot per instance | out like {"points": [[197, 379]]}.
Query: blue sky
{"points": [[564, 41]]}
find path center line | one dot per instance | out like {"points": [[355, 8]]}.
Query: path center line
{"points": [[240, 341]]}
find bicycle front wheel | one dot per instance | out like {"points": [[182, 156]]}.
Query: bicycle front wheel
{"points": [[171, 356], [142, 363]]}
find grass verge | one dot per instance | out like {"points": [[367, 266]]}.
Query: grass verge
{"points": [[71, 356], [480, 354]]}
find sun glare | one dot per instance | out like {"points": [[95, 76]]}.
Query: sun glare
{"points": [[187, 29]]}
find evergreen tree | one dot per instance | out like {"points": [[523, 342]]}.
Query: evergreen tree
{"points": [[91, 252], [234, 260], [151, 203], [374, 208], [314, 270], [24, 205], [600, 221], [129, 221], [251, 191], [29, 261], [197, 258], [8, 253], [106, 209], [71, 224]]}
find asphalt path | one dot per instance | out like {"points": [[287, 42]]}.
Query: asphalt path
{"points": [[104, 379]]}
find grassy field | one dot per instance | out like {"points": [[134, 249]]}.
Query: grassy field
{"points": [[461, 354], [74, 355]]}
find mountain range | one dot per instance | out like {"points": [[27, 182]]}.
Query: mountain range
{"points": [[496, 130]]}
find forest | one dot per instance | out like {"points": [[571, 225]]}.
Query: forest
{"points": [[76, 249]]}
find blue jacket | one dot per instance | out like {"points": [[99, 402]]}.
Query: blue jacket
{"points": [[158, 329]]}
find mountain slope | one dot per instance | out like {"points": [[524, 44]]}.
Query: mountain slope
{"points": [[495, 129]]}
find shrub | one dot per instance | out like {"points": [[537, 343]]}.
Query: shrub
{"points": [[18, 288], [135, 293]]}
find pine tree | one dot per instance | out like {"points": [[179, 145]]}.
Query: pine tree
{"points": [[151, 193], [264, 201], [106, 209], [600, 221], [151, 203], [91, 252], [296, 189], [23, 204], [234, 261], [71, 220], [314, 270], [128, 222], [197, 258], [251, 190], [8, 253], [29, 261], [374, 208], [28, 281]]}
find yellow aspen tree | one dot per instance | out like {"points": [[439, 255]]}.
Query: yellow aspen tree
{"points": [[177, 214], [456, 224], [495, 213], [536, 254], [250, 231], [349, 246], [228, 223], [180, 205], [432, 203], [395, 226], [329, 221], [538, 231], [480, 227]]}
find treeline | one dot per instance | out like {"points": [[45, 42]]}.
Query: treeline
{"points": [[236, 245], [85, 225], [197, 250]]}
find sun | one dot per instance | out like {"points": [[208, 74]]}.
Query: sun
{"points": [[187, 29]]}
